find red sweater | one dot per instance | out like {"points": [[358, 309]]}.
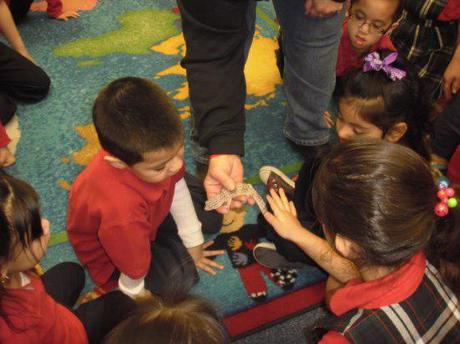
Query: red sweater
{"points": [[451, 11], [393, 288], [348, 58], [113, 217], [37, 318]]}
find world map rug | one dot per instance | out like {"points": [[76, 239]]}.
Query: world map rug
{"points": [[54, 140]]}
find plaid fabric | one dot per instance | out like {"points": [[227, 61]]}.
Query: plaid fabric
{"points": [[430, 315], [427, 43]]}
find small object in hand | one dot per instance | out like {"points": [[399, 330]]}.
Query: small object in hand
{"points": [[225, 197]]}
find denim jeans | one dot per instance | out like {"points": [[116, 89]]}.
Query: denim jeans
{"points": [[310, 55], [218, 34]]}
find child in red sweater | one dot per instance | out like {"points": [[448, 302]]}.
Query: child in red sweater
{"points": [[37, 309], [380, 209], [131, 219]]}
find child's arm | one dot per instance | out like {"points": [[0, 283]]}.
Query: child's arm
{"points": [[189, 229], [9, 30], [451, 82], [285, 223]]}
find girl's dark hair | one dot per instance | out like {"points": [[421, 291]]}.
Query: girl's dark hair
{"points": [[384, 102], [382, 196], [189, 320], [20, 220]]}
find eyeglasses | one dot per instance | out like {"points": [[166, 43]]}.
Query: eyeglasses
{"points": [[361, 20]]}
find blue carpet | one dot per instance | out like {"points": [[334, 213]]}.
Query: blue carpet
{"points": [[139, 38]]}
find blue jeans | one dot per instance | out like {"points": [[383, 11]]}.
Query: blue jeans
{"points": [[310, 55], [218, 34]]}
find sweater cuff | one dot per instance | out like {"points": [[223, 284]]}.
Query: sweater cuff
{"points": [[4, 138], [228, 144], [129, 286]]}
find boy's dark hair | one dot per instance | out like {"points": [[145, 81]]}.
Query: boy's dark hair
{"points": [[398, 13], [384, 102], [382, 196], [134, 116], [190, 320]]}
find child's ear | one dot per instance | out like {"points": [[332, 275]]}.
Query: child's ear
{"points": [[346, 247], [115, 162], [396, 132]]}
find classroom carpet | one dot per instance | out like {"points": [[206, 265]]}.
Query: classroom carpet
{"points": [[54, 140]]}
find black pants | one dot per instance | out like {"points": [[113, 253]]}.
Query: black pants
{"points": [[19, 9], [64, 283], [446, 134], [20, 80], [172, 270]]}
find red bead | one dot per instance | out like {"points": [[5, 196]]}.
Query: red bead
{"points": [[450, 192], [441, 209], [442, 195]]}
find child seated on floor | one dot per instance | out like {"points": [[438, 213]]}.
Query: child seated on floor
{"points": [[379, 208], [179, 320], [21, 79], [37, 309], [131, 218], [383, 103], [427, 36], [366, 29]]}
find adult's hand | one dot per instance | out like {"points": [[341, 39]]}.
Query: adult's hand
{"points": [[225, 171], [322, 8]]}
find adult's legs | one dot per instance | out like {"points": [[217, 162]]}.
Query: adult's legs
{"points": [[216, 34], [64, 282], [310, 55], [20, 79], [172, 270]]}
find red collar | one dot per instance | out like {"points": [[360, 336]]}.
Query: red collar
{"points": [[393, 288]]}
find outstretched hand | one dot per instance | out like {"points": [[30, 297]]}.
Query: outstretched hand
{"points": [[284, 217], [66, 15], [200, 256], [225, 171]]}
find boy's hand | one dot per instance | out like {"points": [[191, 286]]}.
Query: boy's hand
{"points": [[6, 157], [199, 255], [284, 217], [66, 15]]}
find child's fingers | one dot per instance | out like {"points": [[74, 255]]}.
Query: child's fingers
{"points": [[207, 244], [276, 199], [273, 205], [293, 209], [212, 263], [271, 219], [212, 253], [206, 269], [284, 199]]}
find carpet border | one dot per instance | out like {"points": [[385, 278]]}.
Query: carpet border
{"points": [[305, 299]]}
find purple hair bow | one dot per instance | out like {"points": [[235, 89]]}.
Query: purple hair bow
{"points": [[373, 62]]}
